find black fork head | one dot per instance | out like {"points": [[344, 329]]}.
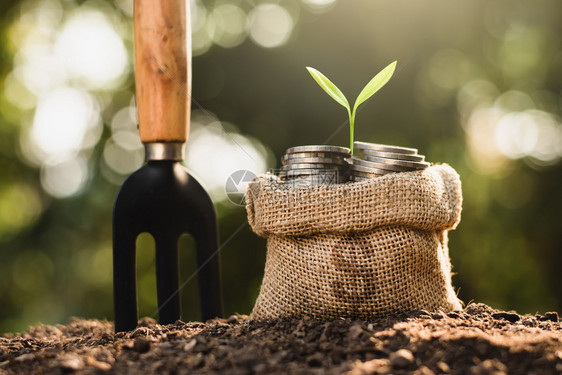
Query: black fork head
{"points": [[161, 198]]}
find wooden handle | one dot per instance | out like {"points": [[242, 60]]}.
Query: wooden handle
{"points": [[163, 69]]}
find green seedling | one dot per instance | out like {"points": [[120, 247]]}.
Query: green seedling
{"points": [[369, 90]]}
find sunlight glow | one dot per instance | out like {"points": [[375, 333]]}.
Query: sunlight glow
{"points": [[124, 119], [230, 25], [319, 5], [477, 93], [123, 152], [58, 60], [480, 139], [213, 154], [270, 25], [200, 39], [61, 123], [91, 49], [531, 133], [37, 24], [126, 6], [516, 134], [508, 128], [40, 70], [66, 178]]}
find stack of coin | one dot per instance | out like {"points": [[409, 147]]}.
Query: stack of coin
{"points": [[378, 160], [315, 165]]}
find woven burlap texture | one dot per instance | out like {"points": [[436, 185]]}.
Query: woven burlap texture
{"points": [[356, 250]]}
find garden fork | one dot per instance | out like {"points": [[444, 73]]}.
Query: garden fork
{"points": [[161, 198]]}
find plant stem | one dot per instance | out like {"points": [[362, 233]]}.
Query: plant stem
{"points": [[351, 126]]}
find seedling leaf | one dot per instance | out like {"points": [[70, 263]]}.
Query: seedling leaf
{"points": [[375, 84], [329, 87], [372, 87]]}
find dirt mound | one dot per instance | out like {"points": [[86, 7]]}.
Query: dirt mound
{"points": [[477, 340]]}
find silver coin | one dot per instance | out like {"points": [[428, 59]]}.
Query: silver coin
{"points": [[308, 172], [384, 148], [335, 161], [329, 155], [365, 165], [370, 174], [311, 166], [319, 148], [367, 154], [400, 163], [326, 167], [314, 180]]}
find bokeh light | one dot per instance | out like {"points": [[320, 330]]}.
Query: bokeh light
{"points": [[229, 23], [62, 119], [201, 41], [319, 5], [90, 49], [507, 128], [213, 153], [270, 25], [60, 58], [65, 178], [481, 140], [126, 6]]}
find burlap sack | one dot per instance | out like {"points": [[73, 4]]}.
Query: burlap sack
{"points": [[358, 250]]}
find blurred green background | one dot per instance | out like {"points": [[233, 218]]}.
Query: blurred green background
{"points": [[478, 86]]}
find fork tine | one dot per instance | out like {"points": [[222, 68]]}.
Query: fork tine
{"points": [[167, 279], [161, 198], [209, 269], [124, 281]]}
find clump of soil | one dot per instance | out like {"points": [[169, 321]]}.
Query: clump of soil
{"points": [[477, 340]]}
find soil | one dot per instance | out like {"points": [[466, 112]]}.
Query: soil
{"points": [[477, 340]]}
